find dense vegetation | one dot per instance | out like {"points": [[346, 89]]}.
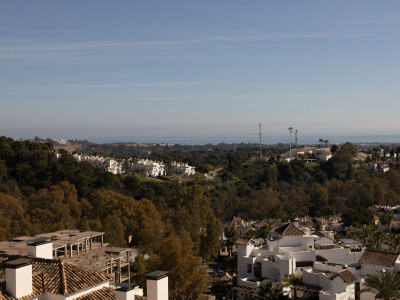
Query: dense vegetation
{"points": [[177, 223]]}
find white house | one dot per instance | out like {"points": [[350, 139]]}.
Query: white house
{"points": [[372, 261], [377, 167], [327, 281], [322, 154]]}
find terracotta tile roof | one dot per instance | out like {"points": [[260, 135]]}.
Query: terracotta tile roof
{"points": [[242, 241], [289, 230], [273, 224], [104, 293], [53, 276], [78, 278], [346, 275], [379, 258]]}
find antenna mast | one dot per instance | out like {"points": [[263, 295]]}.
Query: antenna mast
{"points": [[260, 145], [290, 145]]}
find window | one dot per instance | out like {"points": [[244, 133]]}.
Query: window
{"points": [[248, 268], [257, 270]]}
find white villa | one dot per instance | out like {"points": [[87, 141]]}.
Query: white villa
{"points": [[181, 168], [147, 167], [105, 163]]}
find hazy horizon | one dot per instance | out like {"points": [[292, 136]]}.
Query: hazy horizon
{"points": [[201, 139]]}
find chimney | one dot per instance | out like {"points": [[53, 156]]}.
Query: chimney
{"points": [[41, 248], [157, 285], [19, 277], [127, 291]]}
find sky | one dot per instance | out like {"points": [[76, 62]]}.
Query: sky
{"points": [[86, 69]]}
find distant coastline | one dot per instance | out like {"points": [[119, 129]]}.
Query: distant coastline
{"points": [[267, 139]]}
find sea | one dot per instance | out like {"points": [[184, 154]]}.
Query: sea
{"points": [[238, 139]]}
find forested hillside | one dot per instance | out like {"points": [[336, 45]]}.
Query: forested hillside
{"points": [[177, 223]]}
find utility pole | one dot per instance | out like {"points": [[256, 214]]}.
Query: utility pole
{"points": [[295, 134], [290, 145], [260, 146]]}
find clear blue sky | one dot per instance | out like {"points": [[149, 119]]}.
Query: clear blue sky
{"points": [[168, 67]]}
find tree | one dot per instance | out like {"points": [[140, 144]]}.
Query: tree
{"points": [[320, 142], [187, 278], [263, 232], [386, 218], [267, 291], [3, 169], [385, 284], [141, 269], [334, 148], [343, 160], [357, 216], [230, 236], [293, 280]]}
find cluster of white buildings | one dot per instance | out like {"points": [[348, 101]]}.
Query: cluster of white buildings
{"points": [[145, 167], [323, 154], [106, 163], [329, 270], [377, 167]]}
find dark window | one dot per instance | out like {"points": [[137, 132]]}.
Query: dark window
{"points": [[257, 270]]}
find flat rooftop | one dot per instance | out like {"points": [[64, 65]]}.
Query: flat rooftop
{"points": [[61, 239]]}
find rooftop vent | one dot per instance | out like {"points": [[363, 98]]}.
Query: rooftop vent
{"points": [[19, 277], [157, 285], [40, 247], [127, 291]]}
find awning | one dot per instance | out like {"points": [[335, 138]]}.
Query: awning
{"points": [[308, 288]]}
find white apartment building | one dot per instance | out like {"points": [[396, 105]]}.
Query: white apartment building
{"points": [[182, 168], [147, 167], [288, 251], [105, 163]]}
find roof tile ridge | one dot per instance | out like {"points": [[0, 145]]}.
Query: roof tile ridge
{"points": [[63, 277]]}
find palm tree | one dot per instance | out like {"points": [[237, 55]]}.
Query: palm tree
{"points": [[326, 143], [320, 142], [385, 284], [267, 291]]}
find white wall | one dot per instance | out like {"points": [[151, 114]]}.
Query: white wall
{"points": [[19, 281], [333, 254], [157, 289], [41, 251]]}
